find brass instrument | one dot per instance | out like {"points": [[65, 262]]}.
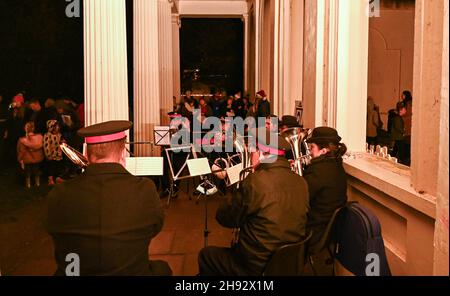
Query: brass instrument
{"points": [[76, 157], [296, 137], [247, 167]]}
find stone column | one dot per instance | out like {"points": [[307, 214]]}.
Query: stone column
{"points": [[165, 59], [429, 142], [427, 84], [176, 56], [258, 44], [351, 80], [310, 37], [246, 51], [105, 61], [441, 228], [281, 97], [146, 73], [296, 63]]}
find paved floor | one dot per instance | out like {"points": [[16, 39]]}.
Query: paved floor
{"points": [[26, 248]]}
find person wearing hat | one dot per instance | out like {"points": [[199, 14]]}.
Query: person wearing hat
{"points": [[270, 210], [327, 180], [106, 216], [263, 109], [288, 121]]}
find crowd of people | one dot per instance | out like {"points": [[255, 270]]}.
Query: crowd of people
{"points": [[272, 207], [220, 105], [397, 135], [31, 134]]}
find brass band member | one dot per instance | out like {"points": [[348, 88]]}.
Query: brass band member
{"points": [[270, 210], [106, 216], [327, 181]]}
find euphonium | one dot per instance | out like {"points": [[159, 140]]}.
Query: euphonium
{"points": [[241, 147], [296, 137]]}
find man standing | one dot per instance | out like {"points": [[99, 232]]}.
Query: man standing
{"points": [[106, 216], [270, 209]]}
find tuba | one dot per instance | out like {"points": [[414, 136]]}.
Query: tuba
{"points": [[246, 162], [296, 137]]}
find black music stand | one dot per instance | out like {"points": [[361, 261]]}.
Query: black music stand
{"points": [[178, 174], [200, 167]]}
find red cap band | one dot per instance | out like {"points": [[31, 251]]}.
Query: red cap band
{"points": [[271, 150], [105, 138]]}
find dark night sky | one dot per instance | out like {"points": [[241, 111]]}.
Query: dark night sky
{"points": [[41, 50], [215, 46]]}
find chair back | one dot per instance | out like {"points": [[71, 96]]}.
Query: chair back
{"points": [[288, 260], [327, 236]]}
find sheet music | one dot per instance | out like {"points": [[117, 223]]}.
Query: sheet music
{"points": [[198, 166], [162, 135], [145, 166], [233, 174]]}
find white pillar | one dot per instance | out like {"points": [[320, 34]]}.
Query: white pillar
{"points": [[277, 63], [312, 27], [427, 84], [246, 49], [441, 235], [351, 80], [165, 58], [296, 45], [285, 47], [176, 56], [258, 45], [105, 61], [146, 73]]}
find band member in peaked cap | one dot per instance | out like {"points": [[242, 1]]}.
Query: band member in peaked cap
{"points": [[106, 215]]}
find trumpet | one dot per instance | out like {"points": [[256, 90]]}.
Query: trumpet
{"points": [[296, 137]]}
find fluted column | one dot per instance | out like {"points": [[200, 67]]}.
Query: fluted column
{"points": [[105, 61], [146, 73], [351, 68], [258, 44], [176, 56], [165, 59], [282, 101], [246, 50]]}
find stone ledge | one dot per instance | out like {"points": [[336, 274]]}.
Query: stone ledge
{"points": [[392, 179]]}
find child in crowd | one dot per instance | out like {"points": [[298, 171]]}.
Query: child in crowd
{"points": [[52, 150], [30, 154]]}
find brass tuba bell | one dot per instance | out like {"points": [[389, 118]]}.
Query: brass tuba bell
{"points": [[296, 137]]}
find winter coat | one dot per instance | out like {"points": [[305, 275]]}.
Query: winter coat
{"points": [[29, 149]]}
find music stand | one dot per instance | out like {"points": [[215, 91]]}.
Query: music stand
{"points": [[200, 167], [162, 135], [177, 175]]}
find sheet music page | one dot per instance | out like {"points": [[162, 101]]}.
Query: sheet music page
{"points": [[233, 174], [162, 135], [198, 166], [145, 166]]}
